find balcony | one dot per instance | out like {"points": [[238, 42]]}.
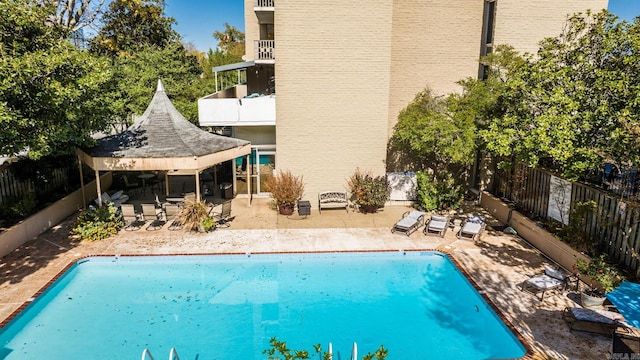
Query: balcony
{"points": [[265, 52], [231, 108], [264, 10]]}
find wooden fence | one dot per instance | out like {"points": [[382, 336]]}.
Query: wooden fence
{"points": [[12, 188], [613, 225]]}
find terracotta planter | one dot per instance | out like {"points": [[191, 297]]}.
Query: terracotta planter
{"points": [[285, 209], [590, 301]]}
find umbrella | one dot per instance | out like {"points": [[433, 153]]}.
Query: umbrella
{"points": [[626, 299]]}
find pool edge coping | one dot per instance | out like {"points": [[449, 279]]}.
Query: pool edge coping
{"points": [[529, 352]]}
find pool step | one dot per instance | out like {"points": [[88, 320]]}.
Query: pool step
{"points": [[146, 354]]}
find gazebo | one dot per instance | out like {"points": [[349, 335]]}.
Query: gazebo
{"points": [[162, 139]]}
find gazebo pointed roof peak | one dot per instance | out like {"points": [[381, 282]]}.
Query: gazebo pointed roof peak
{"points": [[160, 87]]}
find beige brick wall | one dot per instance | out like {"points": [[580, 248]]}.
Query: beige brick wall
{"points": [[251, 29], [332, 71], [345, 69], [524, 23], [434, 44]]}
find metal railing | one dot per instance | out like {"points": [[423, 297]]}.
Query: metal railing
{"points": [[265, 3], [265, 49]]}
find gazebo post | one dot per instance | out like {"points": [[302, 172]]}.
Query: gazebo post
{"points": [[248, 181], [84, 197], [198, 185], [166, 183], [98, 188]]}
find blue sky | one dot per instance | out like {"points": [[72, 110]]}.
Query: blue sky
{"points": [[198, 19]]}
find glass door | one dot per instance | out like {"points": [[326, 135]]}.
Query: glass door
{"points": [[265, 164]]}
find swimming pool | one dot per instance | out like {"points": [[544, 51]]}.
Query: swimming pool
{"points": [[417, 304]]}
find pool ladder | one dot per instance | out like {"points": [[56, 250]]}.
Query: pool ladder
{"points": [[173, 354], [354, 351]]}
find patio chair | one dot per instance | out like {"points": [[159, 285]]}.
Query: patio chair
{"points": [[171, 214], [131, 218], [224, 216], [150, 214], [593, 320], [438, 224], [410, 222], [551, 279], [472, 228], [130, 186]]}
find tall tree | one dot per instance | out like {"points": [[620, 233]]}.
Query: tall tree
{"points": [[131, 25], [50, 92], [73, 15], [230, 41]]}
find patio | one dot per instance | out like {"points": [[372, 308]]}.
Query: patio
{"points": [[498, 263]]}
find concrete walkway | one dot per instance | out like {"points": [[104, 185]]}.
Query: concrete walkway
{"points": [[498, 263]]}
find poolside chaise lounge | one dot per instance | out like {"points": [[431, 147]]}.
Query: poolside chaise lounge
{"points": [[593, 320], [131, 218], [410, 222], [224, 215], [551, 279], [171, 215], [472, 228], [438, 224], [149, 213]]}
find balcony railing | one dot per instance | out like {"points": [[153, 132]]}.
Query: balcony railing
{"points": [[244, 111], [265, 50], [265, 3]]}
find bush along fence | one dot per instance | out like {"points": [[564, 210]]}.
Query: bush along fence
{"points": [[27, 185], [590, 219]]}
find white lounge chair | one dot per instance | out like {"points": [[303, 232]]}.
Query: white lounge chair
{"points": [[410, 222], [438, 224], [551, 279], [472, 228]]}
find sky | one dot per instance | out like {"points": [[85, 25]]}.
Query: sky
{"points": [[198, 19]]}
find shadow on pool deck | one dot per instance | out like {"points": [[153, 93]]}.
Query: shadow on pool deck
{"points": [[498, 263]]}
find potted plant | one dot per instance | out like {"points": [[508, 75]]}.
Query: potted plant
{"points": [[368, 192], [603, 277], [285, 188], [193, 213]]}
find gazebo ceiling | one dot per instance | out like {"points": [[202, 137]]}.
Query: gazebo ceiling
{"points": [[162, 139]]}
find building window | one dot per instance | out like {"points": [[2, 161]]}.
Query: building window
{"points": [[488, 23]]}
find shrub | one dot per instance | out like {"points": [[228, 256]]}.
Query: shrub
{"points": [[193, 213], [209, 223], [285, 188], [368, 192], [280, 348], [435, 193], [605, 276], [98, 223]]}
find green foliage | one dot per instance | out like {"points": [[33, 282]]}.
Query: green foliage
{"points": [[438, 192], [209, 224], [280, 348], [133, 25], [47, 87], [25, 206], [575, 233], [230, 41], [367, 191], [574, 104], [285, 187], [98, 223], [193, 213], [606, 276]]}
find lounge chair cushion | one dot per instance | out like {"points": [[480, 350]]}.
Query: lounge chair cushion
{"points": [[476, 219], [554, 273], [471, 227], [598, 316], [545, 282], [409, 221], [438, 222]]}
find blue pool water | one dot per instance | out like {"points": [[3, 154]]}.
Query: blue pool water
{"points": [[418, 305]]}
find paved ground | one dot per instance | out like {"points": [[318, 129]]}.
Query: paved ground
{"points": [[498, 263]]}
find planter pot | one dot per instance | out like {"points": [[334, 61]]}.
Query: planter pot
{"points": [[285, 209], [590, 301], [368, 209]]}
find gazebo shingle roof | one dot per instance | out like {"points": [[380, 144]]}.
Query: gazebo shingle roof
{"points": [[162, 132]]}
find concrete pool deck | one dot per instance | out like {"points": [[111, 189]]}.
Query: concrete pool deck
{"points": [[498, 263]]}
